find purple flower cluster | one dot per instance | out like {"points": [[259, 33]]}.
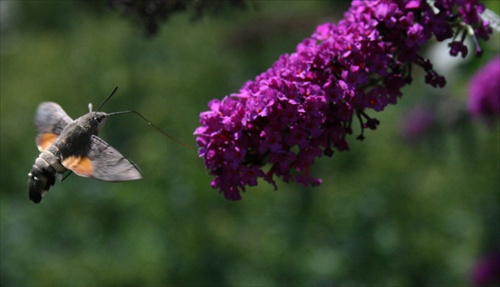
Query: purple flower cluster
{"points": [[484, 92], [486, 272], [302, 107]]}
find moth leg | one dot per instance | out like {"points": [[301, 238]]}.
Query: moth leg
{"points": [[61, 178]]}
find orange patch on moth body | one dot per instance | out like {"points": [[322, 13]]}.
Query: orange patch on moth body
{"points": [[80, 165], [45, 140]]}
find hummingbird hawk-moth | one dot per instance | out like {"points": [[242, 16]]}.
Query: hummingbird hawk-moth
{"points": [[67, 144]]}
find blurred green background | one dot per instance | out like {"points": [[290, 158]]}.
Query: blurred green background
{"points": [[389, 212]]}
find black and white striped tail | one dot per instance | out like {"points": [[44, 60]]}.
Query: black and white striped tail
{"points": [[43, 175]]}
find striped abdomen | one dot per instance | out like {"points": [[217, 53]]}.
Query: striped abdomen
{"points": [[43, 173]]}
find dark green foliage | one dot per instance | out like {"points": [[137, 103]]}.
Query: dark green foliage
{"points": [[152, 13]]}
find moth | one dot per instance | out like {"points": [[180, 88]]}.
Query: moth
{"points": [[67, 144]]}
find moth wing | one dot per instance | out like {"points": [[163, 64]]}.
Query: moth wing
{"points": [[50, 120], [103, 162]]}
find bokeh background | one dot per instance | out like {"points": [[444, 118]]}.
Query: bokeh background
{"points": [[395, 210]]}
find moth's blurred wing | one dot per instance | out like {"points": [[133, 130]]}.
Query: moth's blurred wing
{"points": [[104, 163], [50, 120]]}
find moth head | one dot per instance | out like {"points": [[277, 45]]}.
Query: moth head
{"points": [[93, 121], [98, 120]]}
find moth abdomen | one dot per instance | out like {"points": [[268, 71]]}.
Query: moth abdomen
{"points": [[43, 175], [39, 182]]}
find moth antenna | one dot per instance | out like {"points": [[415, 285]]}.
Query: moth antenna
{"points": [[106, 99], [149, 123]]}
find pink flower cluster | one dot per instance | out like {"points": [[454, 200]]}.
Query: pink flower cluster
{"points": [[484, 92], [303, 106]]}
